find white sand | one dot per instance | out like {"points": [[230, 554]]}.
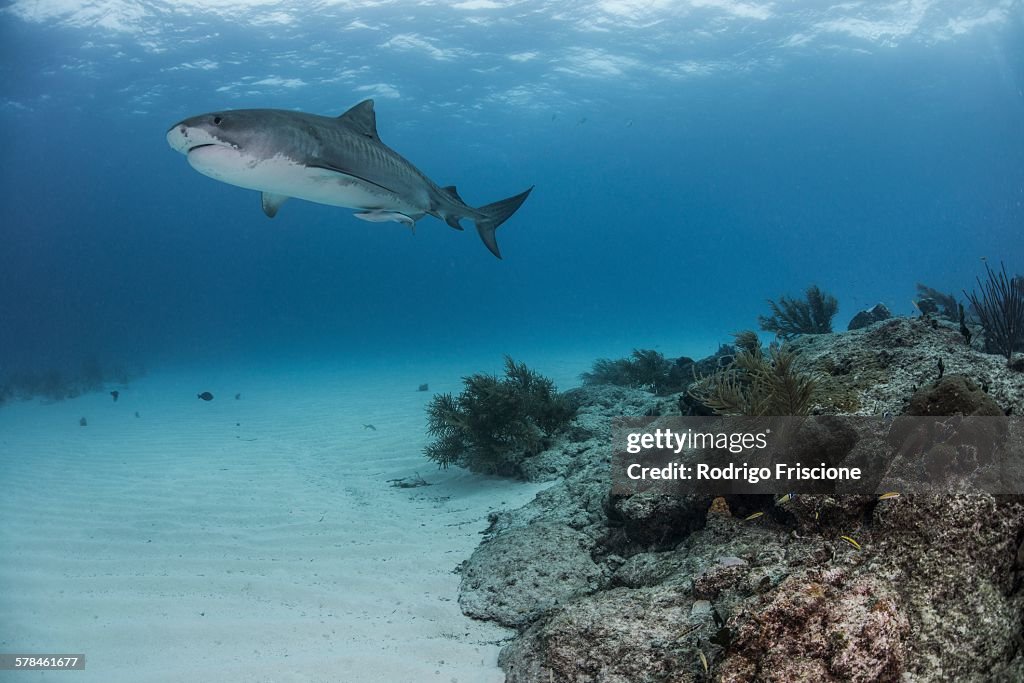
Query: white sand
{"points": [[243, 540]]}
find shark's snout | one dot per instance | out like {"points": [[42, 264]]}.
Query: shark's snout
{"points": [[179, 138], [184, 137], [209, 153]]}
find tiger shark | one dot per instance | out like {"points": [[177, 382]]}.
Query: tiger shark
{"points": [[336, 161]]}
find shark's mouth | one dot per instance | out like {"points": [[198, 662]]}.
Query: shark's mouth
{"points": [[207, 144]]}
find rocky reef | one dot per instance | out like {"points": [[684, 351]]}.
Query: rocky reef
{"points": [[653, 587]]}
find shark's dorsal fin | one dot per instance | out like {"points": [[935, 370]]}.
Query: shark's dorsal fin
{"points": [[272, 202], [453, 192], [361, 119]]}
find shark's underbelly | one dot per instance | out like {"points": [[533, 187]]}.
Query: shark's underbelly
{"points": [[283, 176]]}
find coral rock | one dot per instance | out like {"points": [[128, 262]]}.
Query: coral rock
{"points": [[876, 313], [953, 395], [513, 578], [822, 626]]}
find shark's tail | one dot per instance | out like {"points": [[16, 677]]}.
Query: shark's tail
{"points": [[494, 215]]}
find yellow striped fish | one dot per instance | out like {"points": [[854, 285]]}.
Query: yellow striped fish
{"points": [[851, 542]]}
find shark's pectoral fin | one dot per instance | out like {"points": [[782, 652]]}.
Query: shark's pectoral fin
{"points": [[272, 202], [381, 216]]}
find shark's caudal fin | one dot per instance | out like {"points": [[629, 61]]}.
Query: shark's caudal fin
{"points": [[496, 214]]}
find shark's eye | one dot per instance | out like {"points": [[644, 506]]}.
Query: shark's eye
{"points": [[217, 120]]}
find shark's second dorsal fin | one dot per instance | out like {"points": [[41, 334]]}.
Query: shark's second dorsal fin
{"points": [[450, 189], [361, 119], [453, 219]]}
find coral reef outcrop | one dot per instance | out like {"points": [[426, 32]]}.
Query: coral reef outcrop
{"points": [[650, 587]]}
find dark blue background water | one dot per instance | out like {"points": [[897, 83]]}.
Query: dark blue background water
{"points": [[689, 164]]}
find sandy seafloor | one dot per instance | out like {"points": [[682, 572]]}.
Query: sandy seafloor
{"points": [[255, 539]]}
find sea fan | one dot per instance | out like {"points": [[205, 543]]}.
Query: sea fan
{"points": [[1000, 308], [792, 317]]}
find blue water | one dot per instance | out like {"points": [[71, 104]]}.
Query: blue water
{"points": [[691, 160]]}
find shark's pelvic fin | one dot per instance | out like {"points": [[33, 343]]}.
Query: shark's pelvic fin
{"points": [[272, 202], [451, 219], [496, 214], [362, 119]]}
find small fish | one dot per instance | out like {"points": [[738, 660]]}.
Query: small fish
{"points": [[785, 499], [369, 427], [851, 542], [83, 422], [424, 387], [115, 393], [704, 661], [206, 396], [687, 630], [890, 494], [753, 516], [238, 397]]}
